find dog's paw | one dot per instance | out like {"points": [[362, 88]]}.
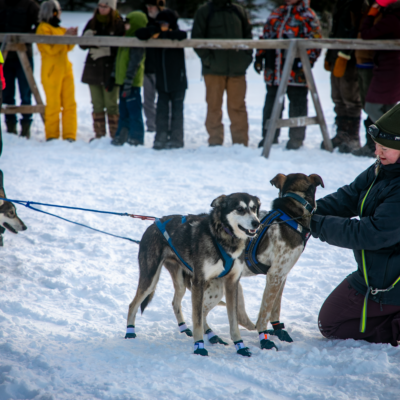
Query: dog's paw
{"points": [[240, 349], [283, 336], [217, 340], [199, 348], [266, 344], [188, 332], [184, 329], [130, 332]]}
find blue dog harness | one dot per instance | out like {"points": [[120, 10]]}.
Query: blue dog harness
{"points": [[227, 259], [250, 255]]}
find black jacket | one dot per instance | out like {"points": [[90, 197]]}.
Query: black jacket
{"points": [[19, 16], [98, 72], [377, 232], [169, 63]]}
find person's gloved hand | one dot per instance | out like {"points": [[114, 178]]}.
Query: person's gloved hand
{"points": [[110, 84], [89, 32], [126, 90], [100, 52], [258, 64], [340, 65]]}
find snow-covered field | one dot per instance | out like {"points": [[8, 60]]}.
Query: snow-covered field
{"points": [[65, 290]]}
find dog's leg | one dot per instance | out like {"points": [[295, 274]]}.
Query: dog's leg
{"points": [[231, 283], [180, 289], [243, 318], [198, 286], [276, 309]]}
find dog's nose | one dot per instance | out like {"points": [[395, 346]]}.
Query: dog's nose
{"points": [[255, 224]]}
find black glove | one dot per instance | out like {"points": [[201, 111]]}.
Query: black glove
{"points": [[297, 64], [258, 64], [110, 84], [126, 90]]}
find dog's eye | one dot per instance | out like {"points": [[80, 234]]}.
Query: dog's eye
{"points": [[240, 209]]}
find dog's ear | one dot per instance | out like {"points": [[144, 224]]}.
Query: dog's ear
{"points": [[258, 201], [317, 180], [219, 201], [279, 181], [2, 192]]}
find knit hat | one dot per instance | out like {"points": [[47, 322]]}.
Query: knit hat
{"points": [[110, 3], [168, 16], [386, 130], [136, 19], [385, 3]]}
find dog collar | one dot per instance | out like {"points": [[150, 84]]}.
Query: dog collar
{"points": [[302, 201]]}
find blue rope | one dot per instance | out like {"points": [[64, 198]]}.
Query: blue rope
{"points": [[28, 204]]}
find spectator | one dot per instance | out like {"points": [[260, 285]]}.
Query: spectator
{"points": [[384, 90], [18, 16], [149, 82], [129, 72], [365, 64], [224, 70], [344, 80], [99, 67], [2, 87], [171, 81], [57, 77], [292, 20]]}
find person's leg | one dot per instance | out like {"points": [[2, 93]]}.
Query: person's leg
{"points": [[111, 103], [236, 94], [215, 87], [136, 129], [149, 105], [52, 88], [99, 117], [340, 316], [121, 135], [297, 108], [1, 136], [162, 121], [68, 103], [26, 98], [176, 139], [267, 110], [10, 75]]}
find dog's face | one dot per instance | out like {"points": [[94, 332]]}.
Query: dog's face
{"points": [[239, 212], [303, 185], [8, 216]]}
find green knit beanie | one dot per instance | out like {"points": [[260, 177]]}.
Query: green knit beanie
{"points": [[389, 123]]}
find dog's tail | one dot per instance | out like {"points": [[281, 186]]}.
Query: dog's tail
{"points": [[146, 301]]}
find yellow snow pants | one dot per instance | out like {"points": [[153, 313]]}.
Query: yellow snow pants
{"points": [[58, 85]]}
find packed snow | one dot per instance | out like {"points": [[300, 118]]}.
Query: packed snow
{"points": [[65, 290]]}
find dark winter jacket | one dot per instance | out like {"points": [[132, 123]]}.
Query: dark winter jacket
{"points": [[377, 232], [219, 19], [97, 72], [385, 84], [169, 63], [19, 16], [150, 62]]}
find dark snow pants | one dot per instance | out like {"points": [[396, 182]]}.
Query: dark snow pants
{"points": [[339, 317]]}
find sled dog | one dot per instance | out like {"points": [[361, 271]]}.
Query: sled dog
{"points": [[8, 213], [280, 240], [200, 251]]}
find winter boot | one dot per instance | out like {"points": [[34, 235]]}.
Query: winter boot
{"points": [[160, 141], [11, 127], [353, 136], [296, 137], [113, 124], [99, 125], [341, 132], [26, 128], [275, 141], [368, 150], [120, 139], [175, 140]]}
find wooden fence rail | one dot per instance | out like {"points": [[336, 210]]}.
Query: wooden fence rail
{"points": [[293, 47]]}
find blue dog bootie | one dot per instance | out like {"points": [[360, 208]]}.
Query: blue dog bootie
{"points": [[214, 339], [279, 331], [265, 343], [199, 348], [130, 332], [241, 349], [184, 329]]}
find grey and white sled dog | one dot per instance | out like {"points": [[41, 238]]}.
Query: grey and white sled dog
{"points": [[198, 251], [273, 252], [8, 214]]}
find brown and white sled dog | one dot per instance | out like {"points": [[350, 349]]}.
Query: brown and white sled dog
{"points": [[8, 214], [203, 248], [278, 248]]}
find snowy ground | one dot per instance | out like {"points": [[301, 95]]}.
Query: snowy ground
{"points": [[64, 290]]}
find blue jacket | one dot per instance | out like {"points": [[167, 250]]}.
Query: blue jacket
{"points": [[377, 232]]}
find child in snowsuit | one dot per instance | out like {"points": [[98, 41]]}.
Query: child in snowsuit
{"points": [[57, 76], [129, 73], [171, 81]]}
